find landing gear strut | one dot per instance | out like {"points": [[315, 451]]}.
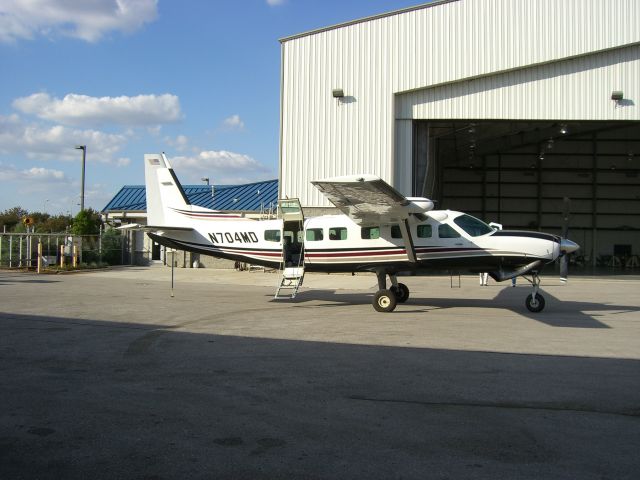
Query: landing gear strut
{"points": [[535, 301], [385, 300]]}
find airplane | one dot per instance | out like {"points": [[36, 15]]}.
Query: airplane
{"points": [[379, 231]]}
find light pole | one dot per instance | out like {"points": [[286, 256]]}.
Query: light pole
{"points": [[84, 158]]}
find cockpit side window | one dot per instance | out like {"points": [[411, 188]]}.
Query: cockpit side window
{"points": [[447, 231], [472, 225]]}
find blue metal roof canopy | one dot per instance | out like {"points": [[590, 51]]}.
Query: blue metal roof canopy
{"points": [[251, 197]]}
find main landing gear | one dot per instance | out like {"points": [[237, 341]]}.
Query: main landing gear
{"points": [[385, 300], [535, 301]]}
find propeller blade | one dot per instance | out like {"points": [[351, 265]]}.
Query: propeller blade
{"points": [[564, 258], [565, 216], [564, 268]]}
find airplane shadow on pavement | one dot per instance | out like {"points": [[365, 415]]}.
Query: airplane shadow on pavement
{"points": [[557, 313]]}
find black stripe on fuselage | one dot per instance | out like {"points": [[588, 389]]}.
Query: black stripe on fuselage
{"points": [[526, 234]]}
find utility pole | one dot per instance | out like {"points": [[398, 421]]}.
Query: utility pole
{"points": [[84, 159]]}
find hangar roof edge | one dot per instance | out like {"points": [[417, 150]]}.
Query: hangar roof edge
{"points": [[435, 3], [248, 197]]}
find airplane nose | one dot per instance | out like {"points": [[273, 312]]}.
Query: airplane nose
{"points": [[567, 246]]}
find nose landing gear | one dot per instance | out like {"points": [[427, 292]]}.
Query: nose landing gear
{"points": [[535, 301]]}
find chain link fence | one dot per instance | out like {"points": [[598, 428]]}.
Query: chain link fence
{"points": [[63, 251]]}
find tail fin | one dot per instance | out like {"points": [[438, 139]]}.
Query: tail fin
{"points": [[165, 195]]}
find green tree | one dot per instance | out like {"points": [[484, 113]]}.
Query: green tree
{"points": [[11, 218], [86, 222], [112, 247], [54, 224]]}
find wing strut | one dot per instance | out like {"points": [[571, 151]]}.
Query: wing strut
{"points": [[408, 241]]}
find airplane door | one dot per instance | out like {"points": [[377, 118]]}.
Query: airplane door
{"points": [[450, 237], [292, 216]]}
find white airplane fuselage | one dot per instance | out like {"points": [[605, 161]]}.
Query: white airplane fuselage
{"points": [[260, 242]]}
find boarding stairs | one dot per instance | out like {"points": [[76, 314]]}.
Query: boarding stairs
{"points": [[290, 283], [292, 263]]}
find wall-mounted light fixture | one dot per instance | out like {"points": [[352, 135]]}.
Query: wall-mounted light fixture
{"points": [[564, 129], [617, 95], [337, 93]]}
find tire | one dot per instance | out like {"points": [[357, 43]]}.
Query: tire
{"points": [[401, 292], [535, 306], [384, 301]]}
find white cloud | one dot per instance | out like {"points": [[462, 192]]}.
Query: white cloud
{"points": [[222, 166], [275, 3], [180, 143], [74, 109], [234, 122], [88, 20], [37, 174], [43, 173], [57, 142]]}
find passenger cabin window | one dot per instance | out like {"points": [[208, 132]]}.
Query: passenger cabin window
{"points": [[314, 234], [370, 233], [395, 231], [447, 231], [424, 231], [272, 235], [472, 225], [338, 233]]}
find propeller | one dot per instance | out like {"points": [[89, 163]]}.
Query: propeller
{"points": [[564, 253]]}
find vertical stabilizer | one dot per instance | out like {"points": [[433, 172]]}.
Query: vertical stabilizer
{"points": [[165, 195]]}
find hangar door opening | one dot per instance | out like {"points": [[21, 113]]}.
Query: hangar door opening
{"points": [[519, 173]]}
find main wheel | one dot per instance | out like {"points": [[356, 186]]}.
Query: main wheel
{"points": [[536, 305], [402, 292], [384, 301]]}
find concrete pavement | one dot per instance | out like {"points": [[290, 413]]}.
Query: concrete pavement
{"points": [[104, 375]]}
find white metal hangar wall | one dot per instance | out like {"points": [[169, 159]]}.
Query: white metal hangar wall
{"points": [[404, 73]]}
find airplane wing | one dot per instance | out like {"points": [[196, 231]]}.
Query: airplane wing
{"points": [[370, 201], [154, 228]]}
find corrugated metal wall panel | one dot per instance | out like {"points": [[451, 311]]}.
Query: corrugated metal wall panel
{"points": [[447, 43], [578, 88]]}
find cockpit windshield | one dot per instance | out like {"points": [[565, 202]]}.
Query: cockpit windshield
{"points": [[472, 225]]}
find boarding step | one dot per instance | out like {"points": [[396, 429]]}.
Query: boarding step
{"points": [[290, 282]]}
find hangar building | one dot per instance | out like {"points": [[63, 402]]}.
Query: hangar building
{"points": [[500, 108]]}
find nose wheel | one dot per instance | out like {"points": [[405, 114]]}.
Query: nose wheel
{"points": [[534, 304], [535, 301]]}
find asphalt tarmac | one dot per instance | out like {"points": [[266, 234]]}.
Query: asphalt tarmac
{"points": [[105, 375]]}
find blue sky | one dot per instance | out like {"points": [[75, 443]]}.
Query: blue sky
{"points": [[197, 79]]}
